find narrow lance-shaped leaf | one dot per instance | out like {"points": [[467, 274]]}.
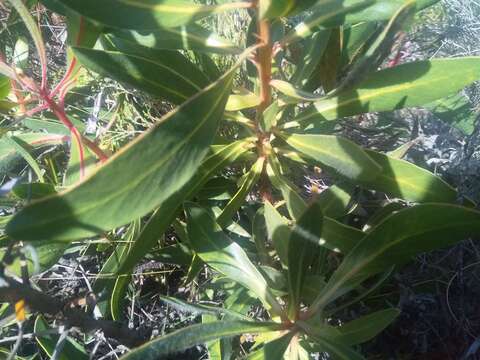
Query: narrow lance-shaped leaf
{"points": [[294, 93], [398, 238], [314, 49], [402, 179], [164, 216], [302, 250], [218, 251], [197, 334], [380, 49], [272, 350], [278, 231], [337, 153], [145, 15], [238, 199], [366, 327], [335, 235], [335, 13], [166, 158], [408, 85], [238, 102], [34, 32], [162, 73], [191, 37]]}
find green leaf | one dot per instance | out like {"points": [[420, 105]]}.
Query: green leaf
{"points": [[191, 37], [71, 349], [278, 231], [165, 215], [357, 38], [166, 157], [457, 111], [302, 251], [402, 179], [336, 350], [73, 173], [366, 327], [294, 93], [334, 201], [398, 238], [4, 86], [224, 255], [336, 13], [272, 350], [32, 191], [295, 204], [337, 153], [271, 9], [408, 85], [9, 156], [200, 308], [34, 31], [251, 178], [314, 49], [380, 49], [326, 14], [144, 15], [40, 257], [161, 73], [242, 101], [197, 334], [24, 151], [106, 277]]}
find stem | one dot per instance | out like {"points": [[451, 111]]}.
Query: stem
{"points": [[264, 66]]}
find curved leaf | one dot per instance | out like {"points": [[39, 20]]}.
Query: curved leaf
{"points": [[144, 14], [224, 255], [408, 85], [161, 73], [335, 13], [302, 252], [146, 174], [191, 37], [398, 238], [238, 199], [197, 334], [340, 154], [402, 179]]}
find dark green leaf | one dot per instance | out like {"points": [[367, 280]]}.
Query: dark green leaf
{"points": [[408, 85], [197, 334], [191, 37], [302, 251], [402, 179], [398, 238], [218, 251], [161, 73], [338, 153], [166, 157], [144, 15]]}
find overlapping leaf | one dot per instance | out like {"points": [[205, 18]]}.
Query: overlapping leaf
{"points": [[337, 153], [224, 255], [331, 14], [146, 174], [161, 73], [143, 15], [191, 37], [408, 85], [399, 237], [197, 334]]}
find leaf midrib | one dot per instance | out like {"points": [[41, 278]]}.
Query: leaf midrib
{"points": [[140, 178]]}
